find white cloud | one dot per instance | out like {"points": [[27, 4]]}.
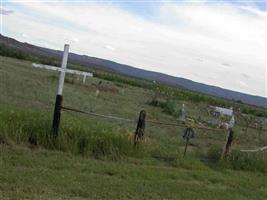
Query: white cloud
{"points": [[109, 47], [4, 11], [25, 35], [213, 44], [243, 84]]}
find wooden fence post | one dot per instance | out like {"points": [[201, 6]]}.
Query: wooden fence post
{"points": [[140, 129], [228, 143], [59, 97], [188, 134], [185, 148]]}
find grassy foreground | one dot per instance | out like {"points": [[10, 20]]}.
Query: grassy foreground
{"points": [[42, 174]]}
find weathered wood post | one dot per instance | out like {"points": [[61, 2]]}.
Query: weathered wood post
{"points": [[185, 148], [140, 129], [228, 143], [188, 134], [59, 97], [229, 138]]}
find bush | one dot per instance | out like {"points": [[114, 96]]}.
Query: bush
{"points": [[15, 53], [168, 107], [214, 153], [155, 103]]}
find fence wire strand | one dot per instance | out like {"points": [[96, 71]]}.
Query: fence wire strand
{"points": [[98, 115], [196, 126], [255, 150], [135, 121]]}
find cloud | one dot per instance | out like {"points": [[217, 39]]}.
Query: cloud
{"points": [[25, 35], [109, 47], [218, 42], [243, 84], [75, 39], [5, 12]]}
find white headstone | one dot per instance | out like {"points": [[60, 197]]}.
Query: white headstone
{"points": [[183, 113], [97, 92], [232, 122]]}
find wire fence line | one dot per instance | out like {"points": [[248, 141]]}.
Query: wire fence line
{"points": [[153, 122], [255, 150], [135, 120], [251, 127], [184, 125], [196, 126], [98, 115]]}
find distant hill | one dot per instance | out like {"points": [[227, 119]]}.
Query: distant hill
{"points": [[122, 69]]}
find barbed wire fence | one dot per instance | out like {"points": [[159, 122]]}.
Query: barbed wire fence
{"points": [[188, 132], [141, 124], [141, 121]]}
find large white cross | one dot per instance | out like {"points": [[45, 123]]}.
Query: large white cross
{"points": [[63, 69]]}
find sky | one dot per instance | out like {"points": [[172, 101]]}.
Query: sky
{"points": [[220, 43]]}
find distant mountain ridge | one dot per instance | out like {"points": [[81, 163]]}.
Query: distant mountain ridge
{"points": [[137, 73]]}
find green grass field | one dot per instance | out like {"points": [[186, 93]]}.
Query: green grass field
{"points": [[94, 158]]}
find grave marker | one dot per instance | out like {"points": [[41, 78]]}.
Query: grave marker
{"points": [[59, 97]]}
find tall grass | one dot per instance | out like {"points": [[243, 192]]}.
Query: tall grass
{"points": [[237, 160], [248, 161], [76, 136]]}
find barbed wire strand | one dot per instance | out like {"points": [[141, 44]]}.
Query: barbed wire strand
{"points": [[131, 120], [98, 115], [51, 105], [255, 150]]}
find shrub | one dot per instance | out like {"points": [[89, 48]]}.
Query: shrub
{"points": [[168, 107], [214, 153], [155, 103]]}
